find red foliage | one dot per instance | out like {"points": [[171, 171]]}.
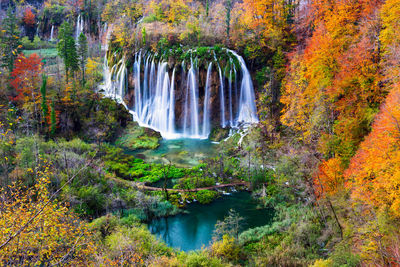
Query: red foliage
{"points": [[29, 17], [26, 75]]}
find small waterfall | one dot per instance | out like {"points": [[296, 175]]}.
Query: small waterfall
{"points": [[78, 26], [51, 33], [207, 104], [222, 97], [247, 106], [230, 95], [193, 99], [172, 105]]}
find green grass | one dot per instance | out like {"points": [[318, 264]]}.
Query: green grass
{"points": [[44, 53]]}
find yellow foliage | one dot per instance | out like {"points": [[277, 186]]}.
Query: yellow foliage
{"points": [[38, 231], [226, 248], [322, 263]]}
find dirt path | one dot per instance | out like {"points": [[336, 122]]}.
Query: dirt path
{"points": [[150, 188]]}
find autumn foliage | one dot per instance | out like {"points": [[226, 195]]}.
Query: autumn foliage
{"points": [[29, 17], [38, 230], [26, 77], [374, 172]]}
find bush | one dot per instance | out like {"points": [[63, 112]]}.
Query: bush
{"points": [[199, 259], [226, 248], [37, 43], [206, 196]]}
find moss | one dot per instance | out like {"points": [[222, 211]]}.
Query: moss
{"points": [[136, 137], [218, 134]]}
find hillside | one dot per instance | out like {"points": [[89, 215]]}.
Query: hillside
{"points": [[132, 130]]}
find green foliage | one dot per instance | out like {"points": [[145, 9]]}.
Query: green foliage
{"points": [[45, 108], [36, 44], [199, 259], [92, 200], [228, 7], [82, 54], [55, 14], [206, 196], [47, 53], [67, 49], [144, 36], [136, 137], [226, 248], [53, 119], [230, 226], [129, 167], [10, 43]]}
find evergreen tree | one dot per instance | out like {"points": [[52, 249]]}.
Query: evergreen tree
{"points": [[43, 91], [10, 42], [82, 54], [53, 119], [67, 49], [228, 7], [144, 36]]}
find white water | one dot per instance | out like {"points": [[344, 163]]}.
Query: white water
{"points": [[207, 104], [78, 26], [155, 93], [51, 33]]}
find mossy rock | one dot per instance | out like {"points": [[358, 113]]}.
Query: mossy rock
{"points": [[218, 134], [135, 137]]}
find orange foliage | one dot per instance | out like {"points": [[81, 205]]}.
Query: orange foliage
{"points": [[26, 77], [374, 173], [332, 90], [329, 179], [29, 17]]}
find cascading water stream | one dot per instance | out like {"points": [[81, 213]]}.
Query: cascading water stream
{"points": [[206, 105], [51, 33], [175, 105], [78, 26], [247, 105]]}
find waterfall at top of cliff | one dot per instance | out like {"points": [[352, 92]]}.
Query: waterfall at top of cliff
{"points": [[183, 100], [78, 26], [247, 105], [51, 33]]}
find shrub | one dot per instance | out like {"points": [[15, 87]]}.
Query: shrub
{"points": [[206, 196], [226, 248]]}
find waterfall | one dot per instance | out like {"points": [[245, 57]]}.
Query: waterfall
{"points": [[230, 95], [247, 106], [51, 33], [222, 97], [193, 99], [206, 105], [78, 26], [172, 104]]}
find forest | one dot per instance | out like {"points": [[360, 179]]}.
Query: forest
{"points": [[200, 133]]}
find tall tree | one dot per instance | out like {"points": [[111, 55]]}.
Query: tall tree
{"points": [[10, 42], [67, 49], [53, 118], [45, 108], [228, 7], [29, 21], [82, 54]]}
